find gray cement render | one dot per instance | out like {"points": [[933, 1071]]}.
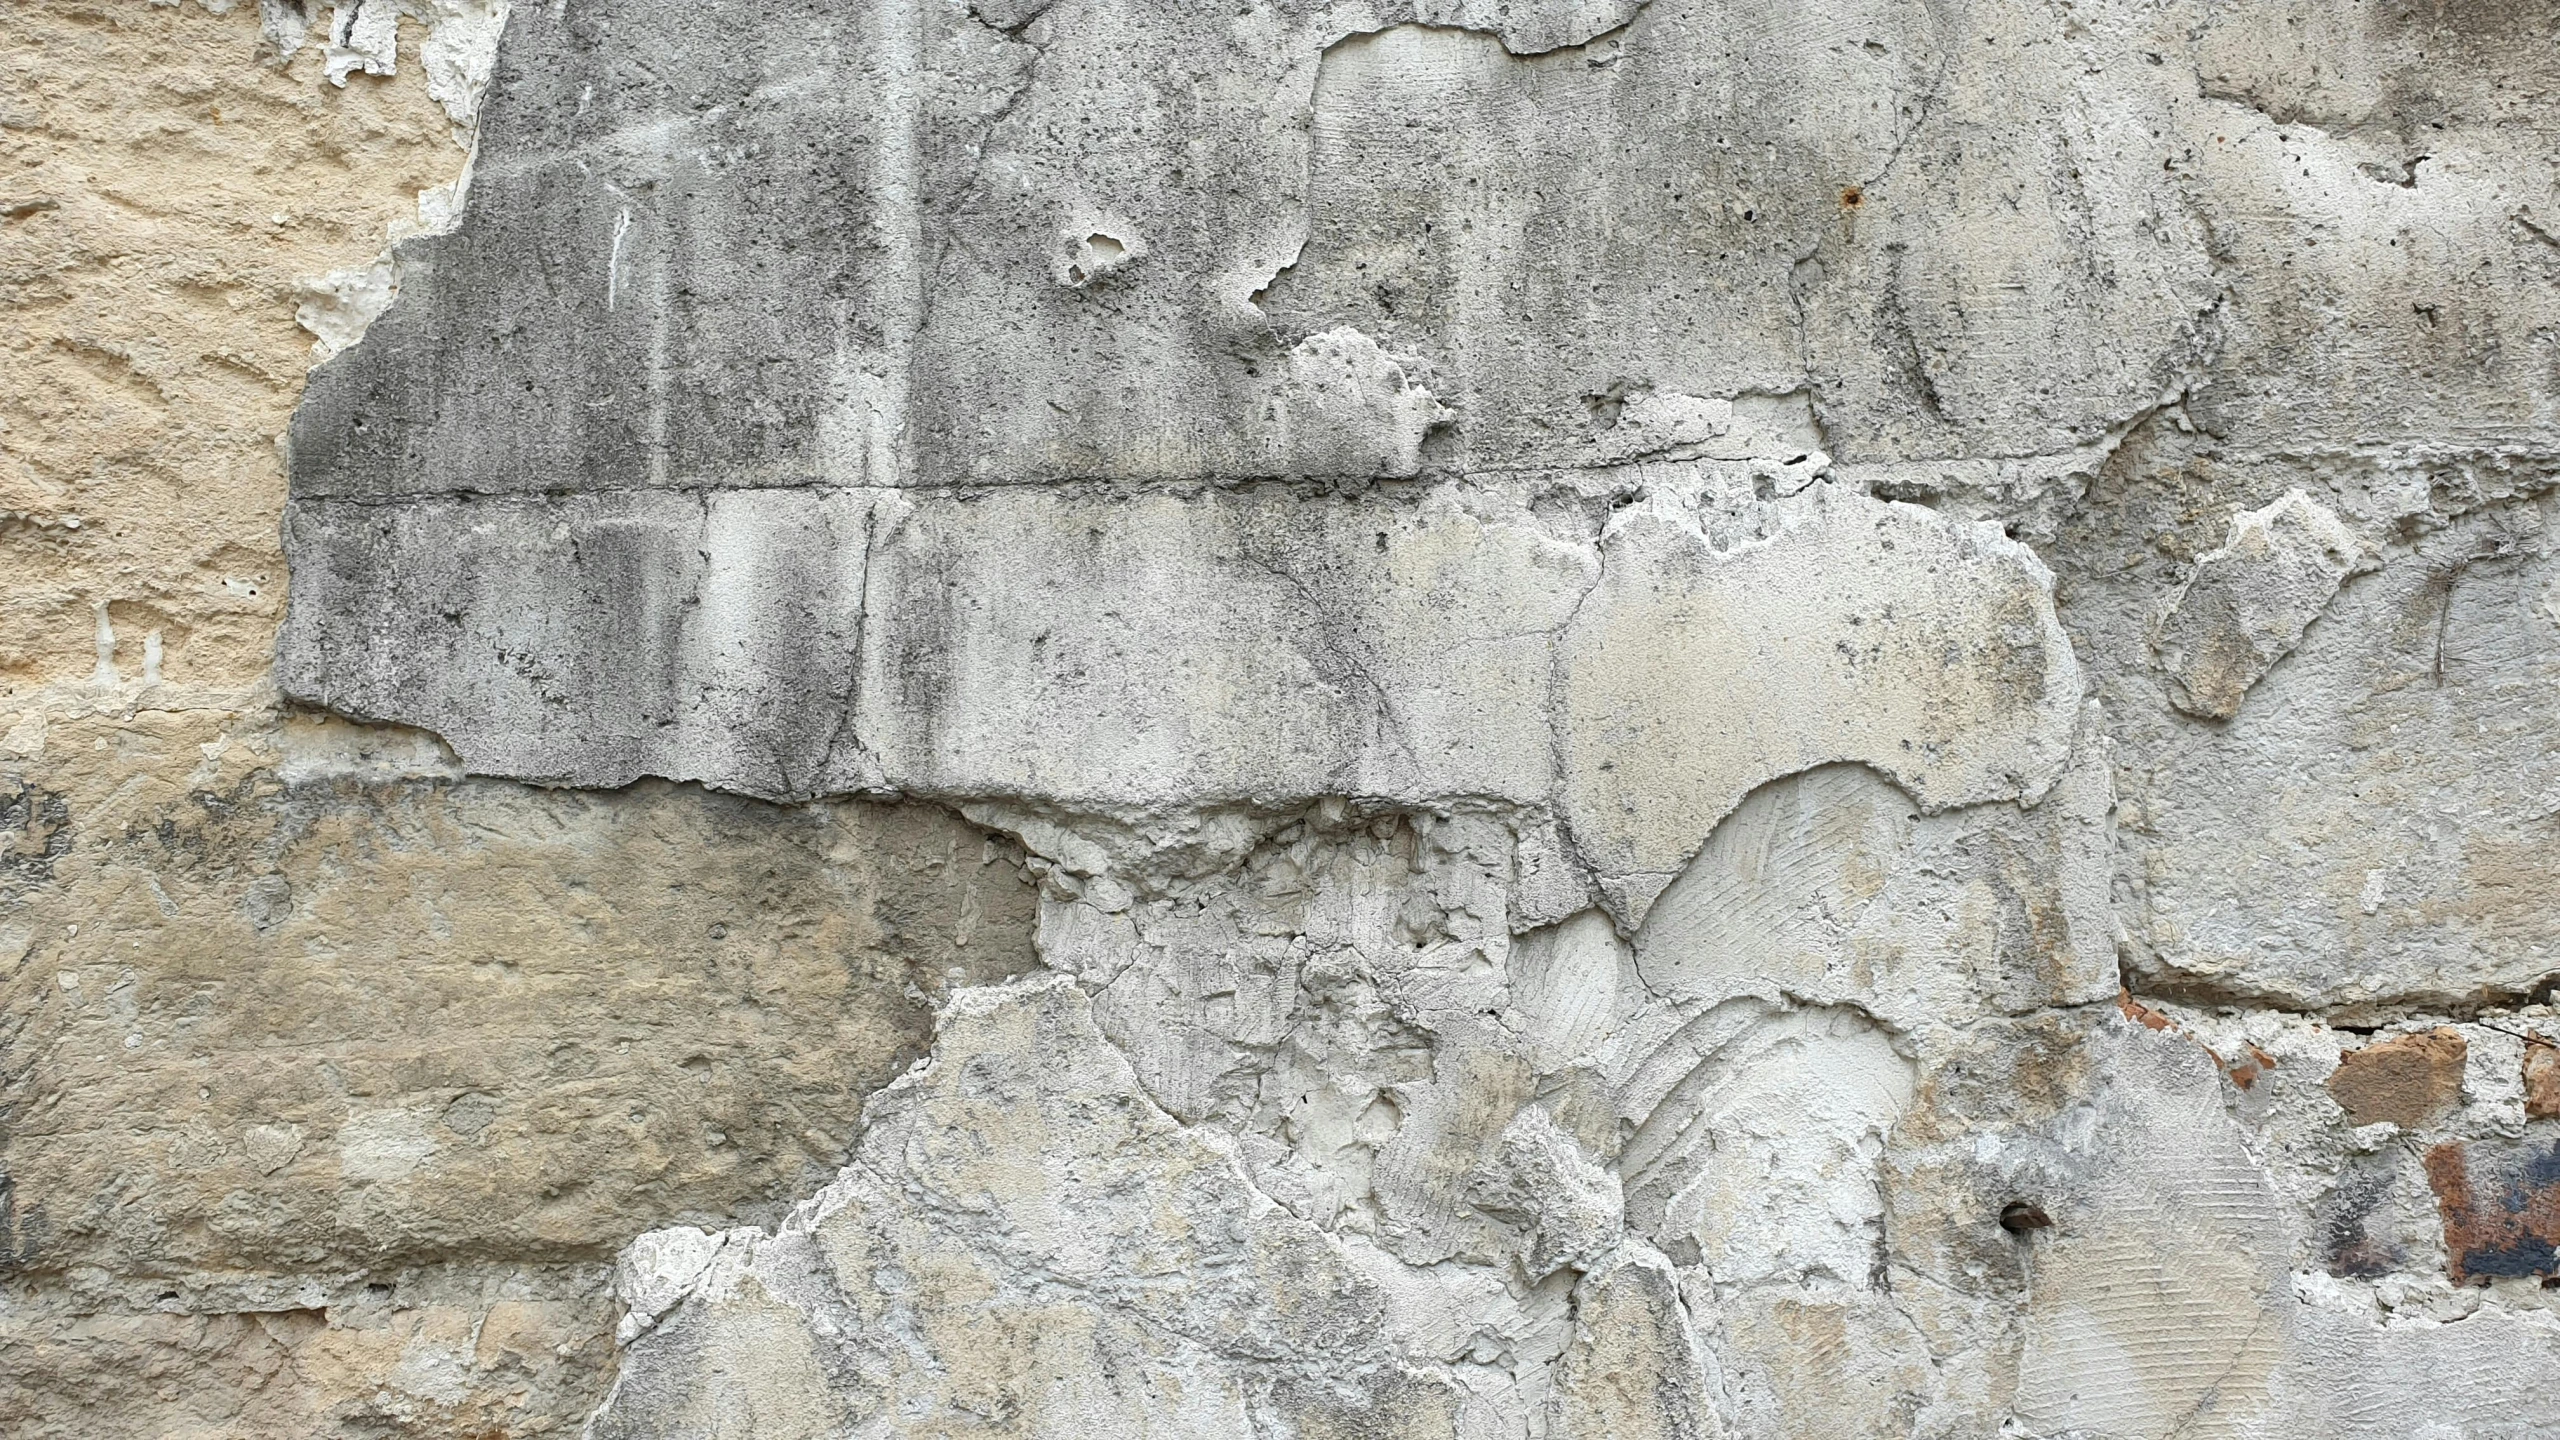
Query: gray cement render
{"points": [[1574, 601]]}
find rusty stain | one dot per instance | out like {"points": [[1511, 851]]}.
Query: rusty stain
{"points": [[1853, 197], [2407, 1080], [2510, 1230]]}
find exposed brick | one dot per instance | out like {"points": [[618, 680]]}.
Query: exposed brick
{"points": [[2253, 1063], [2140, 1013], [2408, 1080], [2541, 1080], [2504, 1220]]}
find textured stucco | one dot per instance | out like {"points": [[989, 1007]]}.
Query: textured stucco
{"points": [[1515, 721]]}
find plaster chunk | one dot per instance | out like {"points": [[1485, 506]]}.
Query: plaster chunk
{"points": [[658, 1269], [363, 37], [1572, 1205], [337, 307], [1021, 1231], [1347, 408], [1689, 679], [1649, 424], [2250, 601]]}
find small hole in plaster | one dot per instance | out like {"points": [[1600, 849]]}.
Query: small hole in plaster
{"points": [[2018, 1217]]}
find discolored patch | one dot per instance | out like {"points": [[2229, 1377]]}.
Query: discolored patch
{"points": [[2503, 1220], [35, 831], [2358, 1226]]}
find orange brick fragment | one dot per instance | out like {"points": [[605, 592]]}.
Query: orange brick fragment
{"points": [[2407, 1080], [2541, 1080]]}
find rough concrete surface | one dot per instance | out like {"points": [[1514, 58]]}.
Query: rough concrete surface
{"points": [[1561, 720]]}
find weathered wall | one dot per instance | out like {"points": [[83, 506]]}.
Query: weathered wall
{"points": [[330, 1078], [1658, 719]]}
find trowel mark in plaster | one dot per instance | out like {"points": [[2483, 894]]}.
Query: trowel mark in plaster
{"points": [[363, 37], [1757, 1129], [2159, 1308], [1778, 888]]}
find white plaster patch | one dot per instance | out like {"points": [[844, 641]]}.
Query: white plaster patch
{"points": [[1693, 675], [384, 1146], [1349, 408]]}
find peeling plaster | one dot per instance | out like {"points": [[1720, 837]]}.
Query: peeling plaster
{"points": [[1728, 722]]}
